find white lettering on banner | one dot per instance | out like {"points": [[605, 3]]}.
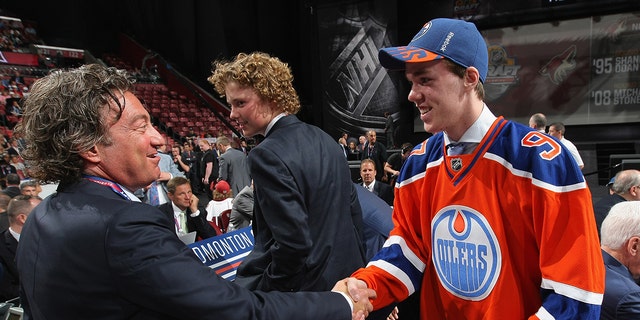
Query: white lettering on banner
{"points": [[626, 96], [225, 252], [627, 64]]}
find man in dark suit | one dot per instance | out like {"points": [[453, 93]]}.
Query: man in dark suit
{"points": [[307, 219], [369, 182], [92, 250], [377, 152], [184, 209], [17, 211], [13, 185], [620, 252]]}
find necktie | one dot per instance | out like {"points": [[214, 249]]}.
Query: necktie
{"points": [[154, 199], [454, 149], [183, 222]]}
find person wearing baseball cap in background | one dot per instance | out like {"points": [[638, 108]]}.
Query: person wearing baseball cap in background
{"points": [[492, 219], [222, 199], [610, 185], [624, 186], [221, 187]]}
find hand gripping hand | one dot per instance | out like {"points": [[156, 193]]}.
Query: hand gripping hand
{"points": [[360, 295]]}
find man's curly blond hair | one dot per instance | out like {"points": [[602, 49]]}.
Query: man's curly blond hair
{"points": [[268, 76]]}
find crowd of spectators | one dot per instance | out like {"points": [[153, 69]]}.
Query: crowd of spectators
{"points": [[15, 36], [13, 88]]}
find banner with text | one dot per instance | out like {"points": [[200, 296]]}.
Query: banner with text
{"points": [[225, 252], [581, 71]]}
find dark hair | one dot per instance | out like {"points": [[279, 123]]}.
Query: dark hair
{"points": [[68, 112], [406, 147], [13, 178], [558, 126], [460, 72]]}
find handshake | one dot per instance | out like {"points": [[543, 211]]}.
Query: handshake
{"points": [[359, 294]]}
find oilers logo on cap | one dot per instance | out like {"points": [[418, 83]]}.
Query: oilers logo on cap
{"points": [[465, 252], [422, 31]]}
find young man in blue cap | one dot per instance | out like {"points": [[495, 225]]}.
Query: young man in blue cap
{"points": [[492, 219]]}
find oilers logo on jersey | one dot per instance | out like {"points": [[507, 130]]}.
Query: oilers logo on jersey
{"points": [[466, 253]]}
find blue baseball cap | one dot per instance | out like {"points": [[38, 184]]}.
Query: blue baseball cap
{"points": [[610, 183], [457, 40]]}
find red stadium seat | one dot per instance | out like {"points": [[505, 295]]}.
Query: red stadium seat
{"points": [[223, 220]]}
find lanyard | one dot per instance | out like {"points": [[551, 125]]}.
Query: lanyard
{"points": [[108, 183]]}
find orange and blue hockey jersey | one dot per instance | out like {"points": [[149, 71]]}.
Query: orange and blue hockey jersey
{"points": [[506, 232]]}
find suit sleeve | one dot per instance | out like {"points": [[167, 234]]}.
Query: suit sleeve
{"points": [[203, 228], [145, 255], [629, 307]]}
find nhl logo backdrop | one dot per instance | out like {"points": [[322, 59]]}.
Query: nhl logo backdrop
{"points": [[356, 89]]}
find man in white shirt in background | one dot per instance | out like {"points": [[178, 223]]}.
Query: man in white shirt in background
{"points": [[557, 130]]}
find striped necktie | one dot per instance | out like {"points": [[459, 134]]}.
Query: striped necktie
{"points": [[454, 149]]}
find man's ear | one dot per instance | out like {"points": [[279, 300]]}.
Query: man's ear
{"points": [[472, 76], [92, 155], [633, 246]]}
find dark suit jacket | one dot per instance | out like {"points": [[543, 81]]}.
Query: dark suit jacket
{"points": [[87, 253], [198, 224], [11, 191], [378, 154], [9, 281], [601, 207], [305, 237], [384, 191], [621, 298], [4, 220]]}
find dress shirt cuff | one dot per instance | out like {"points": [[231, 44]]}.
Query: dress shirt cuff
{"points": [[195, 214], [348, 299]]}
